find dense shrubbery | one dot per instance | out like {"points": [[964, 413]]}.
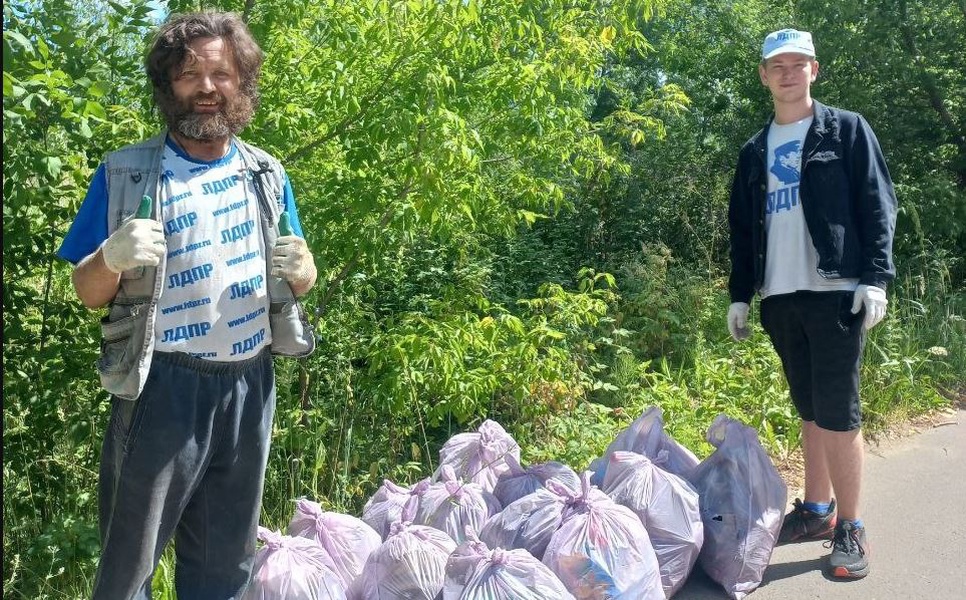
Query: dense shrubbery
{"points": [[518, 212]]}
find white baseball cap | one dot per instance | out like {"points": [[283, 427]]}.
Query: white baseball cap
{"points": [[787, 40]]}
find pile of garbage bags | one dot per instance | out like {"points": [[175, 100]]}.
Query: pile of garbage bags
{"points": [[484, 527]]}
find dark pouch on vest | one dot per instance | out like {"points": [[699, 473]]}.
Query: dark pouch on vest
{"points": [[122, 333], [292, 334]]}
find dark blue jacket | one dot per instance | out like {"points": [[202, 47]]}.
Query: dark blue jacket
{"points": [[846, 195]]}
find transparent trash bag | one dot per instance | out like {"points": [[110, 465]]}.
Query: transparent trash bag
{"points": [[646, 436], [742, 504], [602, 550], [667, 506], [474, 572], [517, 482]]}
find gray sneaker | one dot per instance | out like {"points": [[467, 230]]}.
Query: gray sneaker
{"points": [[802, 525], [850, 552]]}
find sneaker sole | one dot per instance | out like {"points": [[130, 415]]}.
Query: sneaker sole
{"points": [[844, 573]]}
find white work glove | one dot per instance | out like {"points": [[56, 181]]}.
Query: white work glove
{"points": [[291, 259], [738, 320], [137, 243], [874, 300]]}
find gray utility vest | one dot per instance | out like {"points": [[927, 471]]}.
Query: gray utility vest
{"points": [[127, 342]]}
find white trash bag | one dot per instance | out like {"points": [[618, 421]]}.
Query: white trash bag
{"points": [[479, 456], [474, 572], [386, 505], [646, 436], [409, 565], [453, 506], [347, 540], [602, 550], [531, 521], [292, 568], [667, 505], [518, 482]]}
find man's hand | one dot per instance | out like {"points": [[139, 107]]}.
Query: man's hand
{"points": [[291, 260], [738, 320], [874, 300], [137, 243]]}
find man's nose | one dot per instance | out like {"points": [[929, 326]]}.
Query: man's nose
{"points": [[207, 84]]}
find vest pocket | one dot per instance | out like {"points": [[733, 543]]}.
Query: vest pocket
{"points": [[292, 335], [119, 344]]}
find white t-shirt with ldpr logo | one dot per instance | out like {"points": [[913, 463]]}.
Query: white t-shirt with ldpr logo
{"points": [[791, 261], [214, 300]]}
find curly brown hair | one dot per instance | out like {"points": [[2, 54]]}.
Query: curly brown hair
{"points": [[170, 47]]}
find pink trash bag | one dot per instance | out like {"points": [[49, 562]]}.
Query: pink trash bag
{"points": [[602, 550], [348, 541], [409, 565], [292, 568], [742, 504], [474, 572], [668, 507], [479, 456], [518, 482], [386, 505], [646, 436], [453, 506], [531, 521]]}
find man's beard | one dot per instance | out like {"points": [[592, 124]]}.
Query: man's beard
{"points": [[232, 116]]}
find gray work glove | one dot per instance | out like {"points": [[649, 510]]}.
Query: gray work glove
{"points": [[137, 243], [738, 320], [874, 300], [291, 259]]}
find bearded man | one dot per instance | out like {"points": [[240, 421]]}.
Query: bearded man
{"points": [[192, 241]]}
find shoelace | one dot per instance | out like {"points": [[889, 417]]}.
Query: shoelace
{"points": [[846, 541]]}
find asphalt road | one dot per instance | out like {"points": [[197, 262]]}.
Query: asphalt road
{"points": [[915, 513]]}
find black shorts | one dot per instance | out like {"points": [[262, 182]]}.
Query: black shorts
{"points": [[820, 344]]}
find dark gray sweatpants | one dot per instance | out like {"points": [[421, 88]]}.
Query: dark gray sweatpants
{"points": [[186, 460]]}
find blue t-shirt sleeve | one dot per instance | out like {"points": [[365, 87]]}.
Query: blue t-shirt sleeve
{"points": [[89, 228], [288, 198]]}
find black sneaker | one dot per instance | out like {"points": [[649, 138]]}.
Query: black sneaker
{"points": [[850, 552], [801, 524]]}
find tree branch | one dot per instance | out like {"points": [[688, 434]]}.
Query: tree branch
{"points": [[366, 105], [384, 220], [935, 95]]}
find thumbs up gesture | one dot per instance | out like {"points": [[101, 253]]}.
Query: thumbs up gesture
{"points": [[291, 259], [138, 243]]}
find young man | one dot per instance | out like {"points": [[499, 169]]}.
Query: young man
{"points": [[200, 289], [812, 216]]}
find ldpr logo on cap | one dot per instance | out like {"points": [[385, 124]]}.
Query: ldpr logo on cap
{"points": [[787, 40]]}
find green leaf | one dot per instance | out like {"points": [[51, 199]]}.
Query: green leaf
{"points": [[12, 36], [98, 89], [607, 35], [53, 165], [95, 109], [10, 87]]}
